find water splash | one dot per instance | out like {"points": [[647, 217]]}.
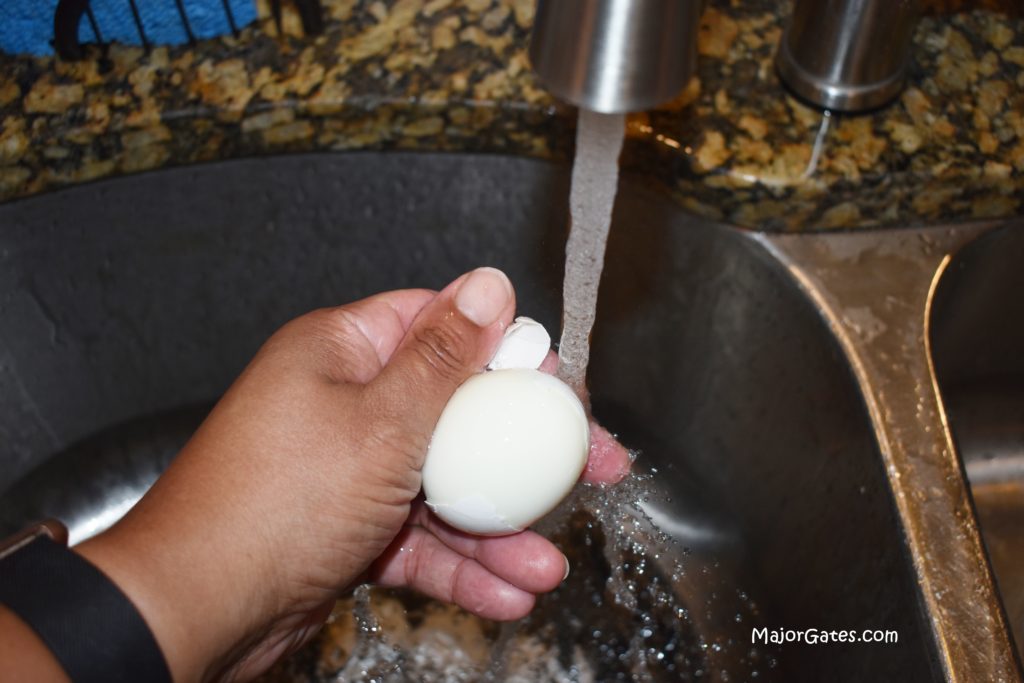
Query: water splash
{"points": [[637, 606], [374, 659]]}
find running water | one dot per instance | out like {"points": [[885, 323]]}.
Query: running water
{"points": [[595, 178], [594, 184]]}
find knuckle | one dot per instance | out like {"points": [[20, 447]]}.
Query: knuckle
{"points": [[455, 581], [422, 558], [307, 324], [443, 349], [333, 340], [345, 332], [413, 563], [306, 331]]}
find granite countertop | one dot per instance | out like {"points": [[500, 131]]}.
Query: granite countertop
{"points": [[454, 75]]}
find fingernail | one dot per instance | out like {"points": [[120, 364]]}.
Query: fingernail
{"points": [[484, 295], [566, 575]]}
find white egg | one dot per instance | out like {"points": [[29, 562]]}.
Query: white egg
{"points": [[508, 447]]}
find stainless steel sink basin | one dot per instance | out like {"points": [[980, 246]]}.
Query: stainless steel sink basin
{"points": [[127, 306], [978, 346]]}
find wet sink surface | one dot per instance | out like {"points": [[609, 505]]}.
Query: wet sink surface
{"points": [[978, 348], [126, 308]]}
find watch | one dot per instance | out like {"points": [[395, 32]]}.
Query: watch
{"points": [[91, 627]]}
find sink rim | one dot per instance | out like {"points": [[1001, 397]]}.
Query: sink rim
{"points": [[782, 250], [916, 442]]}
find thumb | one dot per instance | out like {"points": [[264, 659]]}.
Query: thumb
{"points": [[451, 339]]}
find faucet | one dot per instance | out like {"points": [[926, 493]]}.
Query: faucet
{"points": [[615, 56], [849, 55]]}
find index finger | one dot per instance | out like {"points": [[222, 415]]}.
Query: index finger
{"points": [[609, 461], [372, 329]]}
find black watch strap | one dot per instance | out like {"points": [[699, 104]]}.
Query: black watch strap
{"points": [[89, 625]]}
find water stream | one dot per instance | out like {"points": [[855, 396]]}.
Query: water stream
{"points": [[595, 179]]}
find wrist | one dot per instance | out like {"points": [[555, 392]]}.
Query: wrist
{"points": [[196, 611], [23, 656], [90, 627], [141, 584]]}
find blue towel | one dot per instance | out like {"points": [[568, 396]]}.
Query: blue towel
{"points": [[26, 26]]}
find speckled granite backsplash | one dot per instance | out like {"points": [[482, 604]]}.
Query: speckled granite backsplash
{"points": [[453, 75]]}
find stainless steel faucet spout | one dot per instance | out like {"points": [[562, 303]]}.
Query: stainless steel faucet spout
{"points": [[848, 55], [615, 56]]}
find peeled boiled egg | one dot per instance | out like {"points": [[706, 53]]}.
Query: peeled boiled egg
{"points": [[509, 445]]}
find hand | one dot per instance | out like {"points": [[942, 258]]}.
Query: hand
{"points": [[304, 480]]}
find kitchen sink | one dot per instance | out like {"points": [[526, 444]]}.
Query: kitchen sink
{"points": [[128, 305], [978, 347]]}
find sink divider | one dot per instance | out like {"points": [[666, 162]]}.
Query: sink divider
{"points": [[875, 291]]}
